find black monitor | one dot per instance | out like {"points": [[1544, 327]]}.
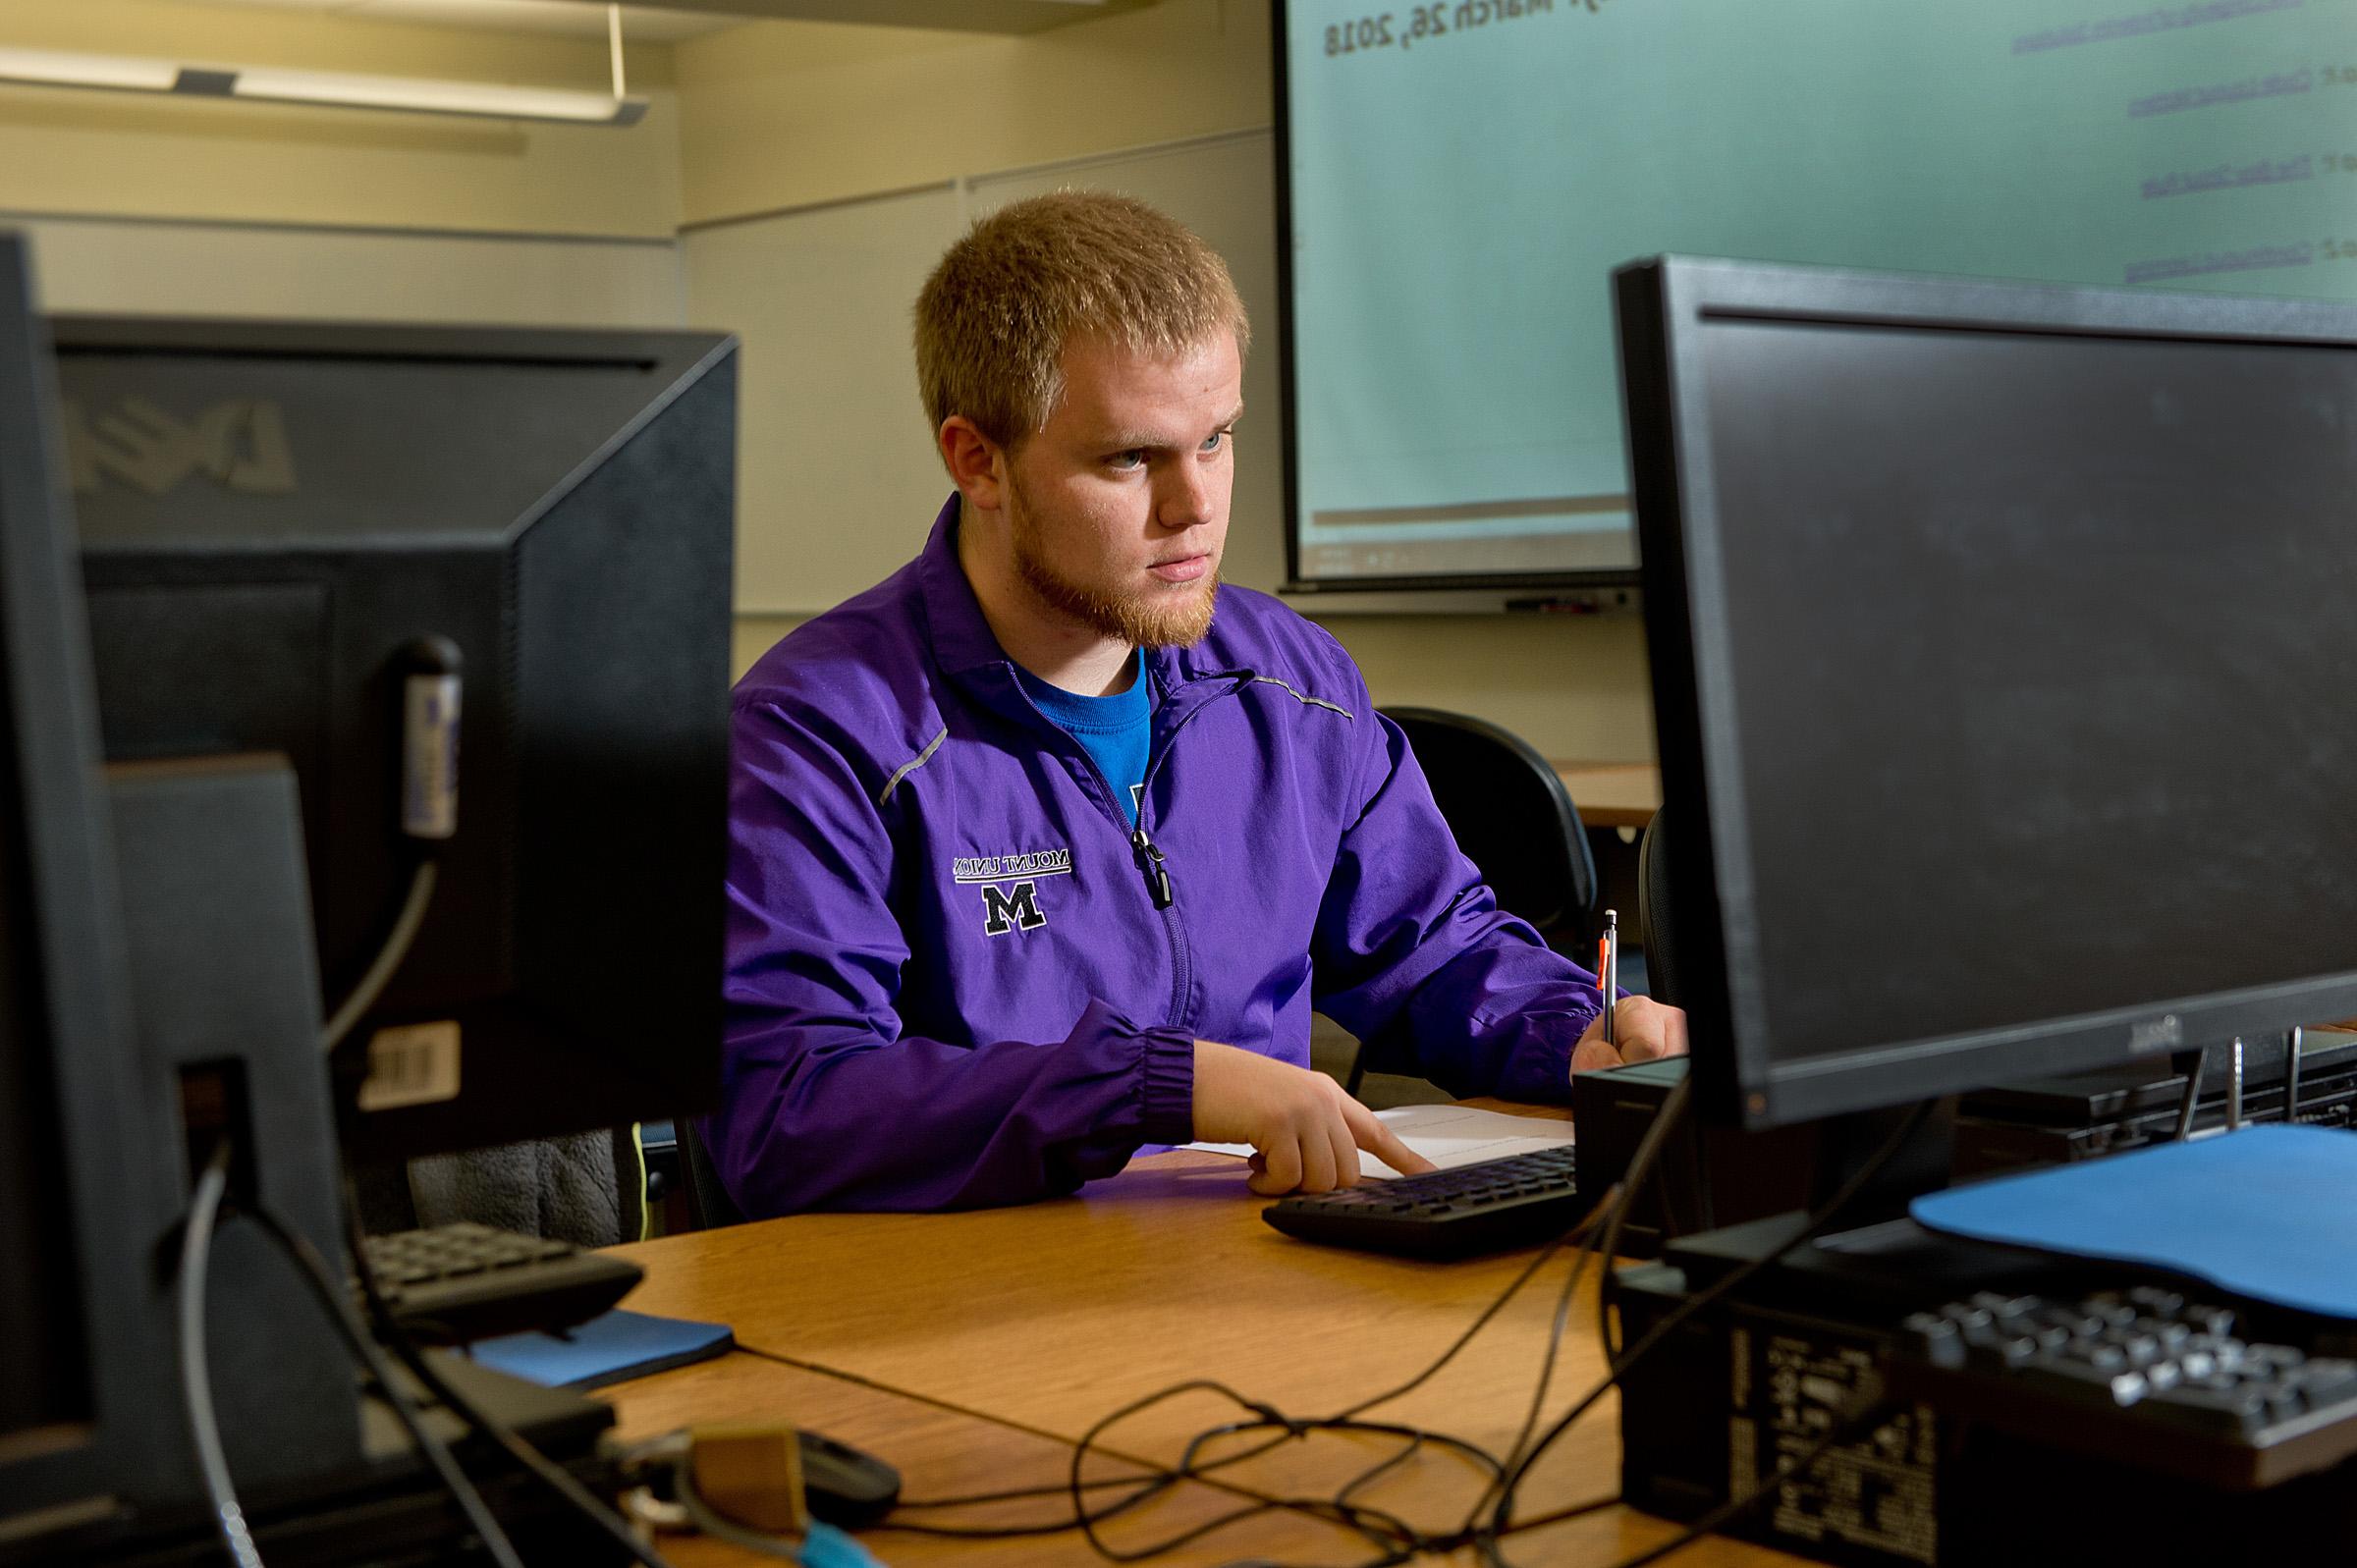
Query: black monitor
{"points": [[293, 534], [159, 1010], [2000, 680], [75, 1167]]}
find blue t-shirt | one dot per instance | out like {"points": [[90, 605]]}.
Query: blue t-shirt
{"points": [[1116, 730]]}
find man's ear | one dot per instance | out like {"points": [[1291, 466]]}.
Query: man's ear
{"points": [[978, 464]]}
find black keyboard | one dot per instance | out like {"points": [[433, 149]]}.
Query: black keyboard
{"points": [[457, 1283], [1522, 1201], [2143, 1376]]}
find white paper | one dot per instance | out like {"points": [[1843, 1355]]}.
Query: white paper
{"points": [[1446, 1135]]}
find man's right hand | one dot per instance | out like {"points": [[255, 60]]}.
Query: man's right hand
{"points": [[1308, 1132]]}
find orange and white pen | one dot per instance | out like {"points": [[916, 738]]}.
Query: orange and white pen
{"points": [[1608, 970]]}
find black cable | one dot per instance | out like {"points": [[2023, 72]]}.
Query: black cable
{"points": [[1347, 1420], [1640, 1164], [1155, 1479], [329, 1290], [1396, 1541], [977, 1499], [1513, 1288], [381, 969], [1501, 1518], [195, 1374], [1614, 1201], [1600, 1240], [551, 1473]]}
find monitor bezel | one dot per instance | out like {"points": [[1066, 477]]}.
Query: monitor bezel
{"points": [[111, 1177], [1665, 304]]}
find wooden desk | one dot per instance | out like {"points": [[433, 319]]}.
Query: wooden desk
{"points": [[974, 1348], [1612, 794], [944, 1453]]}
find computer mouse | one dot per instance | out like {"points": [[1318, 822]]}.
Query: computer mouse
{"points": [[844, 1487]]}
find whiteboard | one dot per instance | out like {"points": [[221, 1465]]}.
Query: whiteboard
{"points": [[283, 271], [839, 479]]}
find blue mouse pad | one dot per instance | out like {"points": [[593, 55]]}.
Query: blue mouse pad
{"points": [[608, 1348], [2269, 1213]]}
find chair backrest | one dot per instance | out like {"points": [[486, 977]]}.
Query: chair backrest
{"points": [[1512, 816], [1656, 924], [705, 1195]]}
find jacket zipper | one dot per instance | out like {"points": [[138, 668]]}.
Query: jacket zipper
{"points": [[1158, 885], [1150, 860]]}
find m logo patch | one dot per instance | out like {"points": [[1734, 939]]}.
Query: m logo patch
{"points": [[1016, 909], [1010, 886]]}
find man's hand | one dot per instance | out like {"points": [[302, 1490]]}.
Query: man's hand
{"points": [[1644, 1028], [1307, 1131]]}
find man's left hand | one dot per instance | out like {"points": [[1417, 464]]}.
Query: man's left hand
{"points": [[1644, 1028]]}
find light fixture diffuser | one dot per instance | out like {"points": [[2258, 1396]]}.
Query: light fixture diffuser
{"points": [[318, 88], [54, 68]]}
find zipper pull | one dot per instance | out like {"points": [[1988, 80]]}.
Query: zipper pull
{"points": [[1149, 861]]}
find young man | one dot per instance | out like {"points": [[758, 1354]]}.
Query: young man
{"points": [[1045, 847]]}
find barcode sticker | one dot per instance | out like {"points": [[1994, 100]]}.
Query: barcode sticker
{"points": [[411, 1065]]}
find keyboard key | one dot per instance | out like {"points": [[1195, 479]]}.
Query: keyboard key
{"points": [[465, 1282], [1524, 1200], [2156, 1375]]}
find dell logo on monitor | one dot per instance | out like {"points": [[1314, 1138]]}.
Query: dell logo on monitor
{"points": [[241, 444], [2165, 1033]]}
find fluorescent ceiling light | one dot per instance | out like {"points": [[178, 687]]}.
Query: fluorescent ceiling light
{"points": [[52, 68], [436, 97], [318, 88]]}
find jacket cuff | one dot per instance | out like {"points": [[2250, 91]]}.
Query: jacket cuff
{"points": [[1167, 1076]]}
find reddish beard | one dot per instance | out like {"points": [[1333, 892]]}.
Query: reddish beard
{"points": [[1171, 619]]}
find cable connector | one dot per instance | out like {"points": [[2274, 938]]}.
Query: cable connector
{"points": [[752, 1472]]}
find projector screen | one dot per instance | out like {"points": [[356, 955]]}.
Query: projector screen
{"points": [[1460, 179]]}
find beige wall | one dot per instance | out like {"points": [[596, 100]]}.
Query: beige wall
{"points": [[781, 115], [755, 119], [70, 151], [788, 114]]}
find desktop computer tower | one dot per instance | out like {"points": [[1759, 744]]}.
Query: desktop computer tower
{"points": [[1762, 1375]]}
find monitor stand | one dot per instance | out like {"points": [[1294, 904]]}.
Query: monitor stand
{"points": [[225, 991]]}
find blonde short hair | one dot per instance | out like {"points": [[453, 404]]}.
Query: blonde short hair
{"points": [[993, 319]]}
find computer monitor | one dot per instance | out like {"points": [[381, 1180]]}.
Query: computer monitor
{"points": [[76, 1152], [159, 1017], [2000, 681], [290, 530]]}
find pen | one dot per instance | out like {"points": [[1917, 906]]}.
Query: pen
{"points": [[1607, 964]]}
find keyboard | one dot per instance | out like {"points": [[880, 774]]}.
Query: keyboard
{"points": [[1522, 1201], [457, 1283], [2143, 1376]]}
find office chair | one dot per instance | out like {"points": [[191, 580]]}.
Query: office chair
{"points": [[710, 1202], [1514, 819], [1657, 923]]}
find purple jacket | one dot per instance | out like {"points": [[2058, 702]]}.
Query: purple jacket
{"points": [[956, 978]]}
